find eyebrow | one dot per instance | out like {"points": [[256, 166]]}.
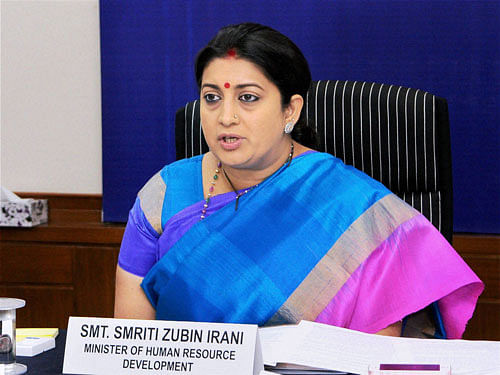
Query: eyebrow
{"points": [[240, 86]]}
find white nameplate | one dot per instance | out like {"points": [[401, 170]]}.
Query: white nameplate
{"points": [[125, 346]]}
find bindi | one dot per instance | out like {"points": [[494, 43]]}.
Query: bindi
{"points": [[227, 85], [231, 52]]}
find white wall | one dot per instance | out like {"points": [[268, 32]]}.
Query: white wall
{"points": [[50, 96]]}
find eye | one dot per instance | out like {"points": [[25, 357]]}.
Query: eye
{"points": [[249, 98], [211, 98]]}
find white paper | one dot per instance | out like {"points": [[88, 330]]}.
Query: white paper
{"points": [[338, 348], [464, 356], [275, 342], [323, 346], [8, 196]]}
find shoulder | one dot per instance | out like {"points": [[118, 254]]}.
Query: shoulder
{"points": [[153, 193], [332, 170], [182, 167], [357, 189]]}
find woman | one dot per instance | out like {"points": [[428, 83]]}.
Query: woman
{"points": [[263, 229]]}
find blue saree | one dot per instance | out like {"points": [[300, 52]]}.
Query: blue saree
{"points": [[318, 240]]}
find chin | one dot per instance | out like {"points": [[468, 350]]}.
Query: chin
{"points": [[234, 161]]}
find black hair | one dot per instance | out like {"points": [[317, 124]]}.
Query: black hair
{"points": [[279, 58]]}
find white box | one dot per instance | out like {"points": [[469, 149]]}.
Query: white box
{"points": [[31, 346], [24, 212]]}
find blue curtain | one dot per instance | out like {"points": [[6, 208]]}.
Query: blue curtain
{"points": [[449, 48]]}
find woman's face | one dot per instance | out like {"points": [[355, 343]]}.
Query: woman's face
{"points": [[242, 115]]}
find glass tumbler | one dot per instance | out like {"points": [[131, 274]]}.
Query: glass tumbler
{"points": [[8, 365]]}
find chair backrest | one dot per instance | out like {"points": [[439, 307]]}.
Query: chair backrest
{"points": [[399, 136]]}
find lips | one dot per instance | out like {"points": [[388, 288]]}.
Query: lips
{"points": [[230, 142]]}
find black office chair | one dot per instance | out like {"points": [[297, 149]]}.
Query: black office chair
{"points": [[397, 135]]}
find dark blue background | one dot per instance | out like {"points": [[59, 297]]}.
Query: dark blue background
{"points": [[448, 48]]}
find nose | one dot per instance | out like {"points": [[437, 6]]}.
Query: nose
{"points": [[227, 116]]}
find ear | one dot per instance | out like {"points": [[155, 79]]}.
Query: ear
{"points": [[292, 112]]}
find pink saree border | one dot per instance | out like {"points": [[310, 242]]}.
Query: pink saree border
{"points": [[413, 268]]}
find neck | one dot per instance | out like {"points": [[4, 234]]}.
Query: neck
{"points": [[244, 178]]}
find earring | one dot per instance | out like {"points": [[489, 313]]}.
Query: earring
{"points": [[289, 127]]}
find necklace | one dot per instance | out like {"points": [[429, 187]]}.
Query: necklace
{"points": [[210, 190], [238, 194], [241, 193]]}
